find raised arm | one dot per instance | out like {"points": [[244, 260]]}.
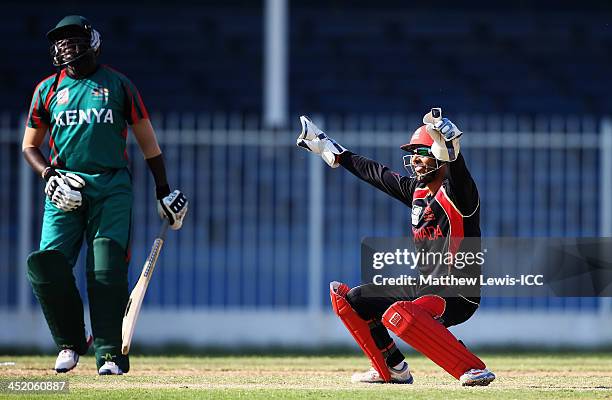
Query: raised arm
{"points": [[446, 147], [380, 176], [462, 186]]}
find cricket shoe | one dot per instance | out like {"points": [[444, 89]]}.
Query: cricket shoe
{"points": [[110, 368], [477, 377], [67, 359], [372, 376]]}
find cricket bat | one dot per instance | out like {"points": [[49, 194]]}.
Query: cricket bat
{"points": [[133, 306]]}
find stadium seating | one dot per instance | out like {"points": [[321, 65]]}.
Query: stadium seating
{"points": [[528, 59], [376, 58]]}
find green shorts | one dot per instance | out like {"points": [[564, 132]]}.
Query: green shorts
{"points": [[106, 212]]}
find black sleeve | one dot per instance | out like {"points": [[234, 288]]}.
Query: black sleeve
{"points": [[463, 190], [158, 169], [380, 176]]}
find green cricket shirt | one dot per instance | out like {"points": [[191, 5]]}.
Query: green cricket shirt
{"points": [[87, 119]]}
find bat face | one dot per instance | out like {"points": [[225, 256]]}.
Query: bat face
{"points": [[131, 314], [136, 297], [132, 310]]}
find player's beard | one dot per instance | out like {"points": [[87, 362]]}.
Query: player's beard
{"points": [[429, 177], [82, 67]]}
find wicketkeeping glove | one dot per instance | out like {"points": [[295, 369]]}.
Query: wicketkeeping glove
{"points": [[445, 135], [173, 207], [315, 140], [64, 190]]}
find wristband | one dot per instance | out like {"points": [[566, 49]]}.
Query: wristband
{"points": [[48, 173]]}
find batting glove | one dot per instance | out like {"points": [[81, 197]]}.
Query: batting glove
{"points": [[174, 208], [315, 140], [64, 190]]}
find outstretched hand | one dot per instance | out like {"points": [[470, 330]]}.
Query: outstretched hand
{"points": [[315, 140]]}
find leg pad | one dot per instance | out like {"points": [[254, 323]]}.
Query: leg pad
{"points": [[107, 285], [358, 328], [416, 326], [50, 274]]}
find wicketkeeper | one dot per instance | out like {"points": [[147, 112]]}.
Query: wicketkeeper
{"points": [[87, 108], [445, 210]]}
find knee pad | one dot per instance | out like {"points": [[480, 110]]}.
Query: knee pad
{"points": [[413, 322], [434, 305], [107, 262], [358, 327], [49, 267]]}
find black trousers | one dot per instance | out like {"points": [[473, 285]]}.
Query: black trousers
{"points": [[371, 301]]}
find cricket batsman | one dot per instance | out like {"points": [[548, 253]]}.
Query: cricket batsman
{"points": [[445, 210], [87, 108]]}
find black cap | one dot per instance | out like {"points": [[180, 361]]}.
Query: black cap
{"points": [[69, 21]]}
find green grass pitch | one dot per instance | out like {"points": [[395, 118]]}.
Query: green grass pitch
{"points": [[520, 376]]}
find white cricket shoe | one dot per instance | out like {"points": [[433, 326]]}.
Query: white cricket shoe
{"points": [[67, 359], [477, 377], [372, 376], [110, 368]]}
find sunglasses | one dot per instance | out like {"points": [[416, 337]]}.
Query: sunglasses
{"points": [[422, 151]]}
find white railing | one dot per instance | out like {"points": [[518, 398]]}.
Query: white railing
{"points": [[270, 225]]}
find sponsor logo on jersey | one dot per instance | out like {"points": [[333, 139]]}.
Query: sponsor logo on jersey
{"points": [[416, 214], [100, 93], [87, 116], [63, 96], [428, 215]]}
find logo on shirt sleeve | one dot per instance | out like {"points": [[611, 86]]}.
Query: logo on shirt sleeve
{"points": [[63, 96]]}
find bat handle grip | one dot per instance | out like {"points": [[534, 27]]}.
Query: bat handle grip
{"points": [[163, 230]]}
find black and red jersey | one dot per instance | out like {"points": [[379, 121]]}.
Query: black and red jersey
{"points": [[439, 221]]}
